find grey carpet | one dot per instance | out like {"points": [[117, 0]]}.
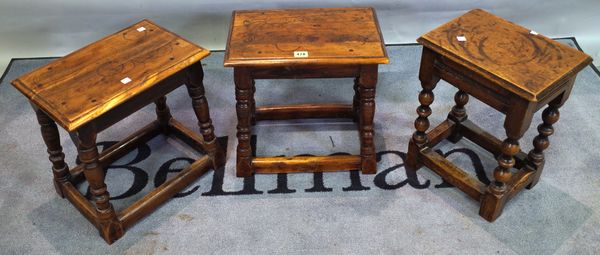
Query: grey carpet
{"points": [[392, 212]]}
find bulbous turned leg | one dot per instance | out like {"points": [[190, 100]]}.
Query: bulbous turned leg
{"points": [[106, 219], [426, 98], [195, 87], [419, 137], [163, 113], [495, 197], [535, 158], [458, 114], [428, 82], [366, 86], [51, 137], [243, 96]]}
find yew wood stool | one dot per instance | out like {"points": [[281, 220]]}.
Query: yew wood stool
{"points": [[95, 87], [297, 44], [512, 69]]}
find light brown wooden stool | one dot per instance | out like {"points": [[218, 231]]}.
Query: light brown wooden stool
{"points": [[97, 86], [512, 69], [299, 44]]}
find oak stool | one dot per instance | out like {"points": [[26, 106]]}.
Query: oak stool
{"points": [[299, 44], [510, 68], [95, 87]]}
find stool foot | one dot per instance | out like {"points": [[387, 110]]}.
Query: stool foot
{"points": [[534, 179], [243, 169], [492, 205], [412, 162], [110, 228], [368, 165], [216, 153]]}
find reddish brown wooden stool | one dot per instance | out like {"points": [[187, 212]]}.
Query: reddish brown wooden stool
{"points": [[305, 43], [95, 87], [512, 69]]}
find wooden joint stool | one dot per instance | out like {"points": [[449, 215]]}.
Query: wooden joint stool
{"points": [[299, 44], [95, 87], [512, 69]]}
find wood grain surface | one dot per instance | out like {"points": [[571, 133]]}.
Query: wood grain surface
{"points": [[328, 36], [87, 83], [523, 62], [510, 68]]}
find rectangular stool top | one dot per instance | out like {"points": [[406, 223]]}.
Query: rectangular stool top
{"points": [[518, 59], [305, 36], [93, 80]]}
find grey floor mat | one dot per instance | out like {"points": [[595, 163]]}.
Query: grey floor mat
{"points": [[392, 212]]}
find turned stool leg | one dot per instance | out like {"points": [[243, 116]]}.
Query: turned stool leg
{"points": [[60, 170], [195, 87], [458, 114], [244, 98], [495, 197], [535, 158], [366, 87], [163, 113], [428, 82], [517, 121], [356, 101], [107, 222]]}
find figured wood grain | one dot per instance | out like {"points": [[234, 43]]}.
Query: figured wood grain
{"points": [[329, 35], [526, 64], [302, 164], [87, 83], [304, 111], [452, 174]]}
